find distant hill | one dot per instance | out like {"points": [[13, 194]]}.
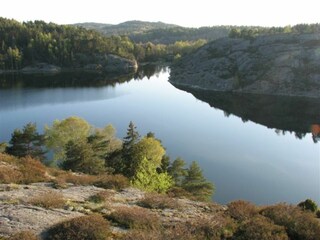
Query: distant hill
{"points": [[126, 28], [158, 32]]}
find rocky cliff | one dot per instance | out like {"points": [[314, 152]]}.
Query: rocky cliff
{"points": [[283, 64]]}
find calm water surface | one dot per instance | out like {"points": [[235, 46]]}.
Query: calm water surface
{"points": [[247, 153]]}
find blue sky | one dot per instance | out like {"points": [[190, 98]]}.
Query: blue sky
{"points": [[185, 13]]}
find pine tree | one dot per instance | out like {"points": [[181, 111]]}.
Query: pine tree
{"points": [[27, 142], [126, 160], [196, 184], [178, 171], [80, 157]]}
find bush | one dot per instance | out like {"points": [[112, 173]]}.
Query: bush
{"points": [[318, 214], [221, 227], [135, 218], [242, 210], [309, 205], [48, 200], [298, 224], [77, 179], [32, 170], [24, 170], [24, 235], [116, 182], [100, 197], [179, 192], [91, 227], [159, 201], [260, 228]]}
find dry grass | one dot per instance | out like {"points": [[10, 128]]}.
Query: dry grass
{"points": [[91, 227], [48, 200], [24, 235], [159, 201], [135, 218]]}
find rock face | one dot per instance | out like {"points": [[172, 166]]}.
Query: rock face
{"points": [[41, 68], [113, 64], [284, 64]]}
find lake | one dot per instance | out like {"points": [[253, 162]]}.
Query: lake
{"points": [[256, 148]]}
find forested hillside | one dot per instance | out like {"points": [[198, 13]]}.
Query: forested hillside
{"points": [[27, 43]]}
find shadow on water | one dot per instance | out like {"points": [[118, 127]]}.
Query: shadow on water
{"points": [[21, 90], [284, 114]]}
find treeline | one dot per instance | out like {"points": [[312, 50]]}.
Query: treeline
{"points": [[174, 34], [27, 43], [251, 32], [79, 147]]}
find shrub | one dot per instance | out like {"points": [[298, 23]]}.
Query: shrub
{"points": [[309, 205], [221, 227], [242, 210], [318, 214], [24, 170], [91, 227], [100, 197], [77, 179], [135, 218], [23, 235], [32, 170], [299, 224], [260, 228], [179, 192], [159, 201], [48, 200], [116, 182]]}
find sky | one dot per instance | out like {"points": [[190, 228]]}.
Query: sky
{"points": [[188, 13]]}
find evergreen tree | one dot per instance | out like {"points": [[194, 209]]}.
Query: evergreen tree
{"points": [[165, 162], [27, 142], [126, 159], [80, 157], [196, 184], [178, 171]]}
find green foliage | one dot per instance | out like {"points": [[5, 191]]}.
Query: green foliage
{"points": [[196, 184], [27, 142], [3, 146], [148, 179], [61, 132], [27, 43], [309, 204], [147, 148], [178, 171], [80, 157], [91, 227]]}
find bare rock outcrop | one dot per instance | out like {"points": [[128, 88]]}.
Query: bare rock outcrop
{"points": [[283, 64]]}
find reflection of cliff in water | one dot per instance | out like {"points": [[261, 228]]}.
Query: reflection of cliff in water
{"points": [[293, 114], [73, 79]]}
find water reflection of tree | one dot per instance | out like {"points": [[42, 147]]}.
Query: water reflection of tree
{"points": [[284, 114], [76, 79]]}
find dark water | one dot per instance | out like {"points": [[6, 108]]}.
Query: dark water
{"points": [[256, 148]]}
